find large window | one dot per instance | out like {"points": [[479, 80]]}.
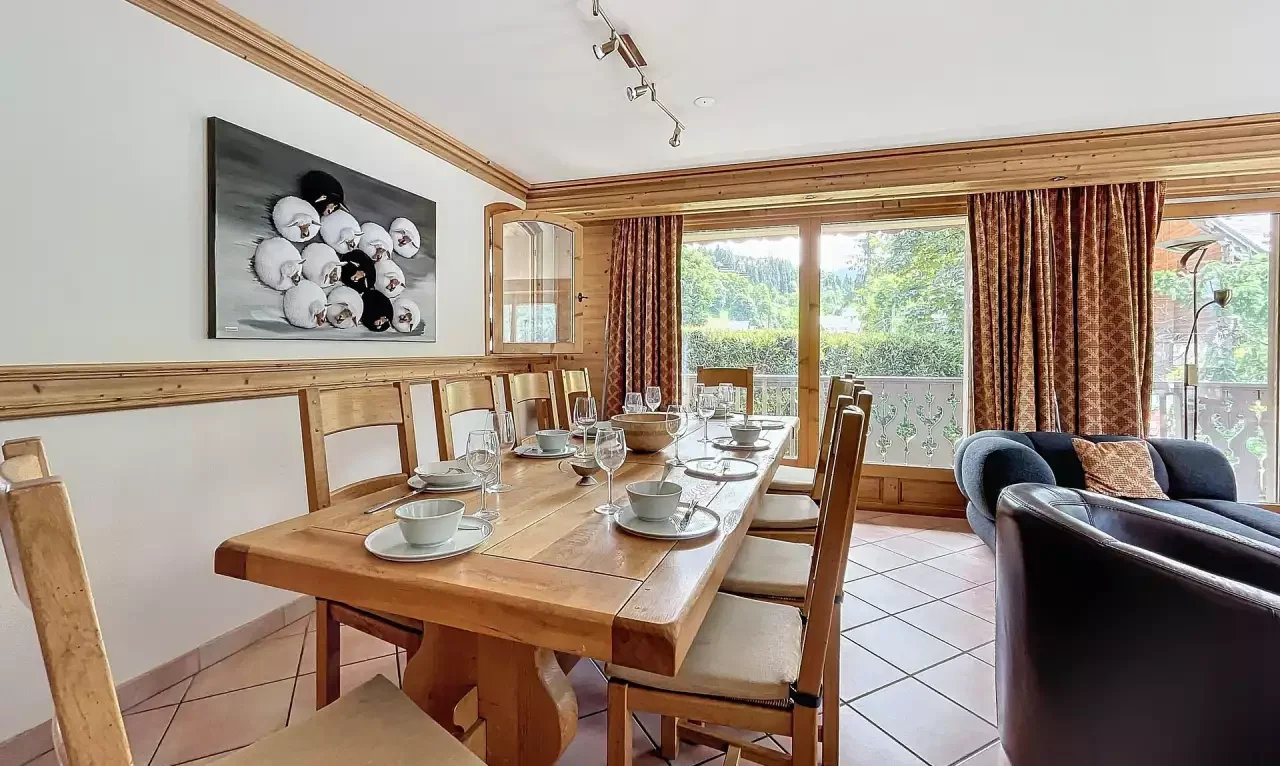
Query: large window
{"points": [[741, 308], [893, 313], [891, 309], [1233, 407]]}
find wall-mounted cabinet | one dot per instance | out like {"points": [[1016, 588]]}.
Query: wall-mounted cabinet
{"points": [[535, 271]]}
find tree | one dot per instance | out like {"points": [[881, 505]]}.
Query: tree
{"points": [[914, 282]]}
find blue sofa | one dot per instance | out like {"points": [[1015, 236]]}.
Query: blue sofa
{"points": [[1196, 477]]}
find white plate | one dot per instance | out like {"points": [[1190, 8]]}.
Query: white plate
{"points": [[727, 442], [419, 484], [767, 425], [703, 522], [532, 450], [387, 542], [735, 468]]}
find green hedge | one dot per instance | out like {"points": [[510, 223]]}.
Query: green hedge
{"points": [[775, 352]]}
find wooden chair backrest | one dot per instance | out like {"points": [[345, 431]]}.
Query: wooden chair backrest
{"points": [[740, 377], [40, 542], [840, 386], [536, 387], [571, 384], [327, 411], [456, 396], [834, 531]]}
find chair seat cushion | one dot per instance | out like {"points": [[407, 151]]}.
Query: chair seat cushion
{"points": [[745, 649], [765, 567], [786, 512], [372, 724], [790, 478]]}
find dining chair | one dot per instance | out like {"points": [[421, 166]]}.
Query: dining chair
{"points": [[755, 665], [374, 723], [536, 387], [792, 517], [454, 397], [799, 480], [570, 385], [738, 377], [327, 411], [782, 572]]}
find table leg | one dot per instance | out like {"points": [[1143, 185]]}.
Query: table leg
{"points": [[525, 703], [528, 704]]}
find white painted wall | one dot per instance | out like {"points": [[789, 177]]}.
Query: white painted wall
{"points": [[103, 129], [104, 189]]}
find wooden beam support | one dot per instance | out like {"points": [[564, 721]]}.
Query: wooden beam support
{"points": [[1240, 147]]}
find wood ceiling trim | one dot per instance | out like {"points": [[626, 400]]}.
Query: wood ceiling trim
{"points": [[32, 391], [1236, 148], [217, 24]]}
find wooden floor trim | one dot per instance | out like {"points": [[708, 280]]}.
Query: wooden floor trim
{"points": [[217, 24], [32, 391]]}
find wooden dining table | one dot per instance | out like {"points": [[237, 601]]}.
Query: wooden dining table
{"points": [[556, 581]]}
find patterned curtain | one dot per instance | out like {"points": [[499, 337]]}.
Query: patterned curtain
{"points": [[644, 308], [1063, 335]]}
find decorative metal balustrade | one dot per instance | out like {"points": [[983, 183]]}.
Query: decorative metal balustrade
{"points": [[914, 421], [1238, 419]]}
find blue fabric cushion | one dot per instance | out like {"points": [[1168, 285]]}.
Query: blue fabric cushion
{"points": [[1204, 516], [1196, 469], [1249, 515], [963, 446], [992, 463]]}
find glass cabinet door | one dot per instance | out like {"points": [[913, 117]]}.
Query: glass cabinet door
{"points": [[536, 272]]}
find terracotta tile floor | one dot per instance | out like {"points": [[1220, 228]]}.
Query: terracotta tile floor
{"points": [[917, 683]]}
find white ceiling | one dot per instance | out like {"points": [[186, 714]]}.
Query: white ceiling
{"points": [[515, 79]]}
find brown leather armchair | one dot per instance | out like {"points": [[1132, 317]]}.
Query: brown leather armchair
{"points": [[1128, 637]]}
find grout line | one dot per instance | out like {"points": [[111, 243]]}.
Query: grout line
{"points": [[901, 744], [962, 758], [176, 708], [210, 755]]}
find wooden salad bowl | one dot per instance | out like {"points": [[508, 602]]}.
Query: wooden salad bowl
{"points": [[646, 431]]}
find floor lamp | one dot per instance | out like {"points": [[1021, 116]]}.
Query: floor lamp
{"points": [[1190, 370]]}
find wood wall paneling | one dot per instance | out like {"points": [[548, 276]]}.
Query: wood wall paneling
{"points": [[597, 241], [46, 390], [214, 22], [1239, 147]]}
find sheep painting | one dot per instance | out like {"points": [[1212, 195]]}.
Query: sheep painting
{"points": [[301, 247]]}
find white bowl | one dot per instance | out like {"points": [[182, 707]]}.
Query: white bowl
{"points": [[430, 522], [654, 500], [451, 473], [745, 434], [552, 440]]}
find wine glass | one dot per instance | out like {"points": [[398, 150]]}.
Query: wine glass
{"points": [[677, 422], [698, 390], [652, 397], [726, 396], [611, 452], [584, 416], [504, 427], [482, 458], [633, 402], [706, 408]]}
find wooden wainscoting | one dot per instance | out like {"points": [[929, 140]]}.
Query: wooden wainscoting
{"points": [[910, 489], [33, 391]]}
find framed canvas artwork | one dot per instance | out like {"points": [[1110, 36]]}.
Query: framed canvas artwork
{"points": [[300, 247]]}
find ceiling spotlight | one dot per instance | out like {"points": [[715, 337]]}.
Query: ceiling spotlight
{"points": [[704, 101], [636, 91], [675, 137], [607, 47]]}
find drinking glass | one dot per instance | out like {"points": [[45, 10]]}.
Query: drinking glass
{"points": [[584, 416], [652, 397], [633, 402], [611, 452], [677, 422], [698, 391], [706, 408], [482, 458], [726, 396], [504, 426]]}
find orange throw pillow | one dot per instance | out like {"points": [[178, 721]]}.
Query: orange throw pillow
{"points": [[1119, 469]]}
